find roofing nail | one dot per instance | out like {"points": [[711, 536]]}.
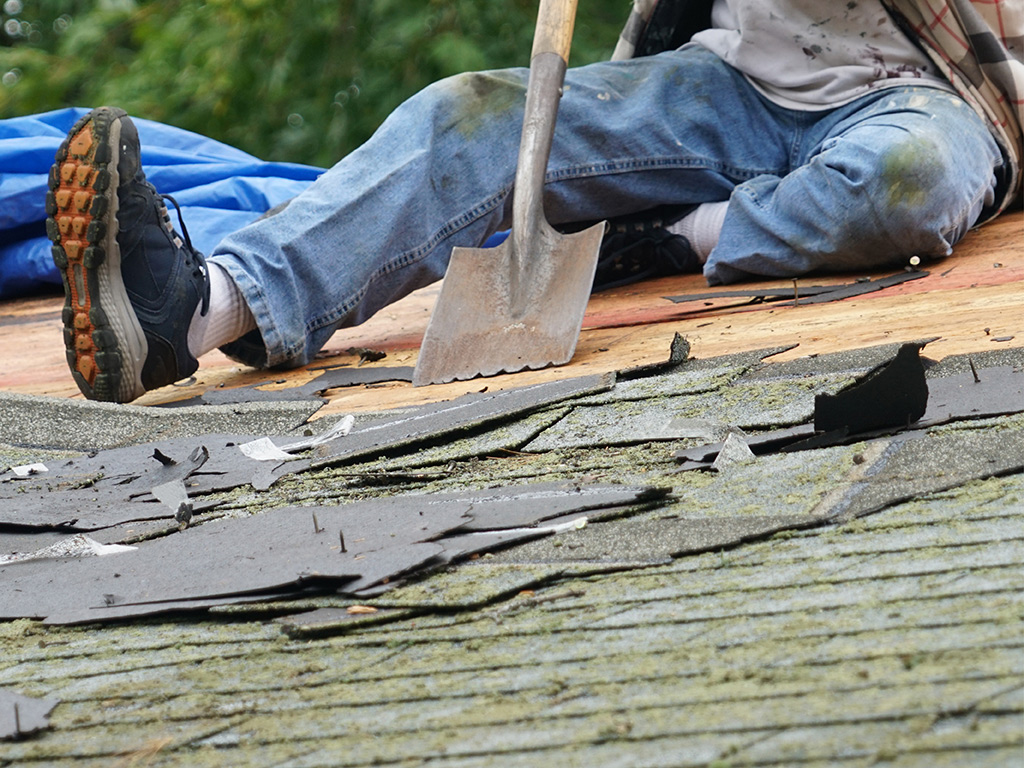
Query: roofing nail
{"points": [[17, 720], [977, 379], [796, 293], [316, 525], [341, 538]]}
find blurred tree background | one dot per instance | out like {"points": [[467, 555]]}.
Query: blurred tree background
{"points": [[294, 80]]}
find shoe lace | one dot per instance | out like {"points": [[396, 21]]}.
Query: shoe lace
{"points": [[193, 258]]}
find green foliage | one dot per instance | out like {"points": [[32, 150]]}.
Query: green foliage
{"points": [[298, 80]]}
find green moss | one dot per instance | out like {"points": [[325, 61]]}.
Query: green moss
{"points": [[768, 635], [909, 171]]}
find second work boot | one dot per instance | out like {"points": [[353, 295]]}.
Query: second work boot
{"points": [[131, 283]]}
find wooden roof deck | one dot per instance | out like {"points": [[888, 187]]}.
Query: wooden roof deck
{"points": [[972, 301]]}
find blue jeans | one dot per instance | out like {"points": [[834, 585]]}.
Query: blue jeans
{"points": [[901, 171]]}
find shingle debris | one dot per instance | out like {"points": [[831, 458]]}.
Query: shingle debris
{"points": [[339, 548], [895, 396], [331, 378], [300, 552], [22, 716], [805, 294]]}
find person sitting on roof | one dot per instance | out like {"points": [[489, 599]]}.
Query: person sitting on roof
{"points": [[783, 137]]}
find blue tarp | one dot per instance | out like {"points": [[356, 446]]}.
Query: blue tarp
{"points": [[219, 188]]}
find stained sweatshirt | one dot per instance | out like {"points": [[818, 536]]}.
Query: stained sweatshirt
{"points": [[810, 54]]}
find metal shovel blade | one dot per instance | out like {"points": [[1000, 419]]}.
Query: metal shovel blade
{"points": [[519, 305], [480, 327]]}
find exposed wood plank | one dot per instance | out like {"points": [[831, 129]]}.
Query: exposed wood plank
{"points": [[969, 301]]}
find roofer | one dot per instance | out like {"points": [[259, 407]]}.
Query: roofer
{"points": [[786, 136]]}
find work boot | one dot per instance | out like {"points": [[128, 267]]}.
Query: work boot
{"points": [[131, 283], [640, 247]]}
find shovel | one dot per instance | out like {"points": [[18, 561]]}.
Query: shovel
{"points": [[520, 304]]}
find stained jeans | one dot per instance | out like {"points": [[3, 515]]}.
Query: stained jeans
{"points": [[901, 171]]}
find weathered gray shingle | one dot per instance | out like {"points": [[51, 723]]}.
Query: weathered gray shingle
{"points": [[888, 640]]}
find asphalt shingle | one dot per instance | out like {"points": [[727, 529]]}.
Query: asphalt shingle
{"points": [[892, 639]]}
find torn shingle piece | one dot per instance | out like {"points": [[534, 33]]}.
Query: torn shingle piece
{"points": [[264, 449], [678, 353], [702, 456], [504, 440], [439, 420], [754, 294], [805, 294], [333, 621], [860, 288], [116, 486], [746, 405], [105, 489], [986, 391], [991, 391], [169, 485], [735, 450], [528, 505], [21, 716], [689, 377], [331, 378], [71, 616], [950, 398], [340, 428], [651, 539], [368, 540], [286, 449], [853, 363], [895, 395], [174, 496], [29, 469], [348, 548], [915, 464], [890, 397]]}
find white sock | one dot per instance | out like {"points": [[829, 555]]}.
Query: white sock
{"points": [[701, 227], [228, 319]]}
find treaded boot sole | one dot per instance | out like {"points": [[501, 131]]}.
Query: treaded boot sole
{"points": [[106, 347]]}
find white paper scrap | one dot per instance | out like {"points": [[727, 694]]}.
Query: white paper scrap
{"points": [[29, 469], [264, 449]]}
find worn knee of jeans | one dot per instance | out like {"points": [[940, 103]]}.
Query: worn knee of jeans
{"points": [[907, 196], [470, 103]]}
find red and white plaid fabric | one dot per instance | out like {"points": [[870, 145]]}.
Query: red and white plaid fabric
{"points": [[977, 44]]}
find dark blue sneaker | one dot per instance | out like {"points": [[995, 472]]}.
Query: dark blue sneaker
{"points": [[640, 247], [131, 284]]}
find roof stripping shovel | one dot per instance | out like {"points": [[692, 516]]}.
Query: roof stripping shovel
{"points": [[520, 304]]}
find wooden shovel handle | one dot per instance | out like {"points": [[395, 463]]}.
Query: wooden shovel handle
{"points": [[555, 21]]}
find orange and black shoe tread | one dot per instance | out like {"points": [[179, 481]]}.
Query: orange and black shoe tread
{"points": [[77, 200]]}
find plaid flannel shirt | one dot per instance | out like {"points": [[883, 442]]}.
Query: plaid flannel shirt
{"points": [[978, 45]]}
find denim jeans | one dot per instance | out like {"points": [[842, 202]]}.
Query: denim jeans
{"points": [[901, 171]]}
